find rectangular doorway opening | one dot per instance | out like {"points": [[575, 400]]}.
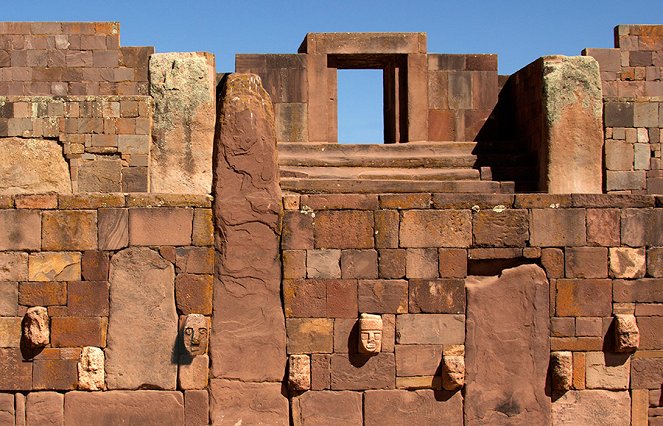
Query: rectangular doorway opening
{"points": [[360, 106]]}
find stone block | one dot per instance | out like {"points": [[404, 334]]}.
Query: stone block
{"points": [[642, 227], [297, 230], [94, 265], [452, 263], [203, 229], [78, 331], [588, 407], [310, 335], [562, 326], [88, 298], [44, 293], [619, 155], [500, 228], [627, 262], [552, 260], [585, 298], [235, 402], [420, 407], [589, 326], [650, 332], [193, 372], [320, 371], [392, 263], [625, 180], [294, 264], [291, 124], [322, 408], [435, 228], [136, 275], [561, 370], [15, 373], [124, 407], [299, 372], [557, 227], [603, 227], [20, 229], [100, 176], [421, 263], [619, 114], [54, 266], [359, 264], [644, 290], [196, 408], [10, 332], [607, 371], [193, 294], [655, 261], [13, 266], [195, 260], [383, 296], [386, 228], [646, 373], [362, 371], [586, 262], [69, 230], [7, 411], [113, 228], [305, 298], [344, 229], [341, 298], [439, 296], [44, 408], [8, 298], [44, 168], [323, 263], [435, 329], [55, 374], [164, 226], [418, 360]]}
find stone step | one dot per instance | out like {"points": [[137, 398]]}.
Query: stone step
{"points": [[370, 186], [373, 160], [380, 173], [399, 149]]}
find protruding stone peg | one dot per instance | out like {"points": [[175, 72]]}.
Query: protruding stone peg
{"points": [[562, 370], [36, 333], [299, 377], [91, 369], [627, 334]]}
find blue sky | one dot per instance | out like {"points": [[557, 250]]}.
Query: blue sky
{"points": [[518, 31]]}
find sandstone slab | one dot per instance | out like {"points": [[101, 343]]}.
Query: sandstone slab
{"points": [[590, 407], [44, 408], [243, 403], [13, 266], [20, 230], [7, 409], [54, 266], [196, 408], [322, 408], [436, 228], [144, 407], [507, 348], [183, 87], [605, 370], [361, 371], [43, 167], [432, 329], [421, 407], [91, 374], [142, 329]]}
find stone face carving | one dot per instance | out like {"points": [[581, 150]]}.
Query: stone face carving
{"points": [[453, 372], [627, 334], [562, 370], [195, 334], [299, 377], [36, 333], [370, 334], [91, 369]]}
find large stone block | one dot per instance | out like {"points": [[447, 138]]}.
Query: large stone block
{"points": [[160, 226], [20, 230], [592, 408], [44, 408], [421, 407], [146, 407], [557, 227], [642, 227], [418, 360], [142, 329], [322, 408], [54, 266], [183, 86], [43, 167], [69, 230], [436, 228], [442, 296], [607, 370], [343, 229], [432, 329], [239, 403], [15, 373], [507, 348], [310, 335], [7, 409], [584, 298], [13, 266], [362, 371], [501, 228]]}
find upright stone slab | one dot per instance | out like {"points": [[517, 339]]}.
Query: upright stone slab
{"points": [[507, 348], [183, 86], [573, 108], [248, 331], [33, 166], [142, 326]]}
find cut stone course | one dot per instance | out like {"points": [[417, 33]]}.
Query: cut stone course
{"points": [[36, 332], [421, 407], [229, 400], [43, 167], [44, 408], [327, 408], [607, 371], [588, 407], [91, 369], [20, 230], [436, 228]]}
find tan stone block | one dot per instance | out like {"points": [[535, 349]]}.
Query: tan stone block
{"points": [[421, 263], [36, 201], [54, 266], [310, 335], [160, 226], [69, 230], [361, 371], [322, 408], [20, 230], [299, 372], [557, 227], [193, 294], [382, 296], [10, 332], [627, 262], [323, 263], [113, 227], [436, 228], [44, 293], [193, 372], [343, 229], [203, 228], [438, 329], [78, 331], [607, 371], [13, 266], [44, 408], [581, 408], [589, 297], [419, 382]]}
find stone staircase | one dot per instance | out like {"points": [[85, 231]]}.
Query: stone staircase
{"points": [[459, 167]]}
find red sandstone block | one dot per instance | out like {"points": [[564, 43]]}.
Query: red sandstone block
{"points": [[392, 263], [439, 296], [655, 262], [69, 230], [586, 298], [603, 227], [442, 126], [405, 201], [294, 264], [43, 293], [383, 296], [15, 373], [536, 201], [609, 59], [650, 332], [589, 326], [343, 229], [20, 230], [562, 327], [507, 228], [346, 335], [55, 374], [359, 264], [340, 201], [320, 371], [557, 227], [642, 227], [193, 294], [342, 299], [435, 228], [643, 290], [386, 228], [160, 226], [452, 263], [36, 201], [88, 298], [421, 263], [195, 260], [586, 262], [376, 372], [297, 231], [418, 360], [467, 201], [305, 298], [583, 344], [78, 331]]}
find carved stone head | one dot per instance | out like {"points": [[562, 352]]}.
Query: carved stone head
{"points": [[370, 334], [196, 334], [36, 327], [627, 334]]}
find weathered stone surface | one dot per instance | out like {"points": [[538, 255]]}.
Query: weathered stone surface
{"points": [[91, 369], [432, 329], [248, 322], [142, 328], [323, 263], [310, 335], [195, 334], [36, 332], [573, 108], [196, 408], [42, 293], [357, 226], [627, 335], [167, 226], [421, 407], [627, 262], [327, 408], [418, 360], [78, 331], [584, 298], [44, 408], [54, 266], [650, 332], [20, 229], [501, 228], [362, 371], [194, 293], [561, 370], [100, 175], [145, 407], [436, 228], [589, 407], [453, 372], [69, 230], [13, 266], [15, 373], [382, 296], [240, 403], [10, 332], [299, 372], [7, 409], [113, 228], [507, 348], [8, 298], [646, 373], [557, 227], [183, 87], [42, 167], [193, 373], [606, 370], [444, 296]]}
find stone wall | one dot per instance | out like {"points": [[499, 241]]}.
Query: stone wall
{"points": [[503, 280]]}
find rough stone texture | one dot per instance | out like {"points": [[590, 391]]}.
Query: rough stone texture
{"points": [[627, 335], [10, 332], [44, 408], [248, 321], [432, 329], [453, 372], [142, 328], [418, 360], [54, 266], [362, 371], [299, 372], [443, 296], [436, 228], [36, 332], [573, 108], [7, 409], [421, 407], [183, 86], [69, 230], [507, 348], [327, 408], [606, 370], [196, 408], [589, 407], [13, 266], [20, 230], [42, 167], [310, 335], [15, 373], [239, 403], [382, 296], [163, 226], [557, 228], [144, 407], [193, 373], [646, 373], [627, 262], [357, 229], [501, 228], [574, 296], [91, 374], [650, 332], [561, 370]]}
